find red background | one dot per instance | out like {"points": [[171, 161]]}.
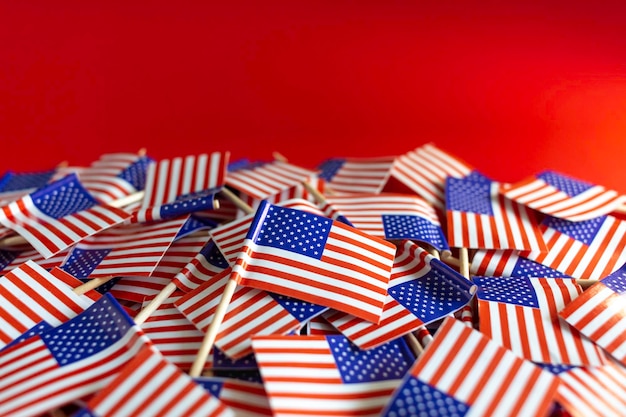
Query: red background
{"points": [[512, 89]]}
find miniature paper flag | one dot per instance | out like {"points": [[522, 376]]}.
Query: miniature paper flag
{"points": [[150, 385], [70, 361], [425, 169], [11, 259], [521, 314], [315, 259], [464, 373], [14, 185], [478, 217], [260, 181], [390, 216], [421, 290], [508, 263], [589, 249], [59, 215], [356, 175], [250, 312], [245, 398], [600, 314], [327, 375], [564, 197], [207, 263]]}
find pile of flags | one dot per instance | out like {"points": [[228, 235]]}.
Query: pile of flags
{"points": [[408, 285]]}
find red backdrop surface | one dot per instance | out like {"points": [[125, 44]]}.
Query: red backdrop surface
{"points": [[513, 89]]}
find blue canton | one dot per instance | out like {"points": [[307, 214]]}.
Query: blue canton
{"points": [[212, 254], [389, 361], [417, 398], [94, 330], [509, 290], [616, 281], [82, 262], [193, 224], [24, 181], [189, 203], [222, 361], [135, 173], [33, 331], [330, 167], [212, 385], [527, 268], [584, 231], [289, 229], [6, 257], [302, 311], [555, 368], [477, 177], [569, 186], [403, 226], [63, 197], [468, 196]]}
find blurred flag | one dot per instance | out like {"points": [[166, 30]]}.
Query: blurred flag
{"points": [[163, 389], [14, 185], [356, 175], [59, 215], [508, 263], [521, 314], [315, 259], [327, 375], [478, 217], [600, 314], [462, 372], [245, 398], [589, 249], [421, 290], [11, 259], [564, 197], [70, 361], [207, 263]]}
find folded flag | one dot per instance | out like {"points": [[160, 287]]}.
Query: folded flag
{"points": [[564, 197], [245, 398], [315, 259], [422, 290], [59, 215], [207, 263], [600, 314], [589, 249], [508, 263], [521, 314], [478, 217], [356, 175], [14, 185], [327, 375], [464, 373], [70, 361], [150, 385]]}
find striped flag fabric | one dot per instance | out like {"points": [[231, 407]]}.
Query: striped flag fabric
{"points": [[313, 258], [59, 215], [422, 289], [424, 171], [245, 398], [463, 373], [327, 375], [123, 250], [600, 314], [70, 361], [478, 217], [356, 175], [12, 259], [251, 312], [521, 314], [207, 263], [29, 295], [261, 181], [589, 249], [509, 263], [390, 216], [150, 385], [564, 197]]}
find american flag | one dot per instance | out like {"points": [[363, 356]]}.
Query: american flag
{"points": [[29, 295], [356, 175], [508, 263], [206, 263], [14, 185], [12, 259], [123, 250], [70, 361], [327, 375], [315, 259], [600, 314], [564, 197], [390, 216], [250, 312], [478, 217], [462, 372], [245, 398], [59, 215], [589, 249], [188, 204], [163, 390], [521, 314], [421, 290], [137, 289], [591, 391], [425, 169], [260, 181], [170, 180]]}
